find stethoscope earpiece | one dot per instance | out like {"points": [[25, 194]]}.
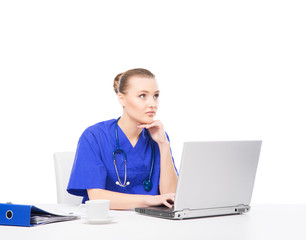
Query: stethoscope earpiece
{"points": [[121, 185]]}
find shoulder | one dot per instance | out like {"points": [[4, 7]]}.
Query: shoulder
{"points": [[98, 129], [101, 125]]}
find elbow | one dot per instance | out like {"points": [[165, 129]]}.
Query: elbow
{"points": [[168, 188]]}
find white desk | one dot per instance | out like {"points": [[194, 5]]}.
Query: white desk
{"points": [[262, 222]]}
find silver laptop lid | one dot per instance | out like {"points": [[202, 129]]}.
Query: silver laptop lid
{"points": [[216, 174]]}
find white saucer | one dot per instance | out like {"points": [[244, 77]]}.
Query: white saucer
{"points": [[99, 221]]}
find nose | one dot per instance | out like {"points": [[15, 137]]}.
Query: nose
{"points": [[153, 103]]}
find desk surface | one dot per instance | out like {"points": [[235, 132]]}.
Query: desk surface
{"points": [[262, 222]]}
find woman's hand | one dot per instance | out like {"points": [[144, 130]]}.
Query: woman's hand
{"points": [[156, 130], [165, 199], [130, 201], [168, 176]]}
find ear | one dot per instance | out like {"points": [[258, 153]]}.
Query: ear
{"points": [[121, 99]]}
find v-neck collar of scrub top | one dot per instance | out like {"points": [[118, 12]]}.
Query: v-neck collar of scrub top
{"points": [[140, 146]]}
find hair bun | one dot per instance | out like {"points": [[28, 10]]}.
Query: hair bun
{"points": [[116, 83]]}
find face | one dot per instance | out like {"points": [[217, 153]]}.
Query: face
{"points": [[140, 102]]}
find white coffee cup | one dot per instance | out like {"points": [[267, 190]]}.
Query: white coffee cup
{"points": [[96, 209]]}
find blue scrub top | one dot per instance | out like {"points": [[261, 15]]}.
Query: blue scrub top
{"points": [[94, 167]]}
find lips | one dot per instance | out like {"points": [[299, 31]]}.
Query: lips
{"points": [[150, 112]]}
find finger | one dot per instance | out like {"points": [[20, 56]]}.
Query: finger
{"points": [[143, 124], [167, 204], [154, 125], [171, 199], [147, 126]]}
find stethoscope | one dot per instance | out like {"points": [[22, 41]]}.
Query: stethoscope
{"points": [[147, 182]]}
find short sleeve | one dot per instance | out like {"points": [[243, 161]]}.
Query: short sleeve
{"points": [[88, 170], [172, 155]]}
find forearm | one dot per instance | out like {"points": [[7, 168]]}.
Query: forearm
{"points": [[168, 176], [130, 201], [118, 200]]}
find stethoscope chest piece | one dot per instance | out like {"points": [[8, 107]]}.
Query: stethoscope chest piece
{"points": [[147, 185]]}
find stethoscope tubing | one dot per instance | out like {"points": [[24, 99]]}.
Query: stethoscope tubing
{"points": [[147, 183]]}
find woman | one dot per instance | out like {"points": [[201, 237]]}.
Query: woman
{"points": [[127, 160]]}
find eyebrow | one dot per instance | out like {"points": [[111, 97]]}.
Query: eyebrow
{"points": [[145, 91]]}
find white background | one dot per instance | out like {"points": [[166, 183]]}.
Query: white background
{"points": [[227, 70]]}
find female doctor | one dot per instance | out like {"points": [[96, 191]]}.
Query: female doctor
{"points": [[127, 160]]}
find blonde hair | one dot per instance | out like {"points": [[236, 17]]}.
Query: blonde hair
{"points": [[121, 80]]}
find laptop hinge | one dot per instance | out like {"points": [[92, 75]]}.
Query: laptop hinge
{"points": [[242, 208], [182, 214]]}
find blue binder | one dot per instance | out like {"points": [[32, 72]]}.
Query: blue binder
{"points": [[28, 215]]}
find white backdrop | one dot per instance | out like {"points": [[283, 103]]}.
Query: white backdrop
{"points": [[227, 70]]}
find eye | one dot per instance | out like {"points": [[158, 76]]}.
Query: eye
{"points": [[156, 96], [142, 95]]}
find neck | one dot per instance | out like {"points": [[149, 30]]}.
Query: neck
{"points": [[129, 127]]}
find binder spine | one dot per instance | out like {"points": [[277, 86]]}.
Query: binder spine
{"points": [[15, 215]]}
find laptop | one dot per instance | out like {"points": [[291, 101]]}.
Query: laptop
{"points": [[215, 178]]}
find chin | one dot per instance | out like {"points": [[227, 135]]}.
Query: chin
{"points": [[147, 119]]}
